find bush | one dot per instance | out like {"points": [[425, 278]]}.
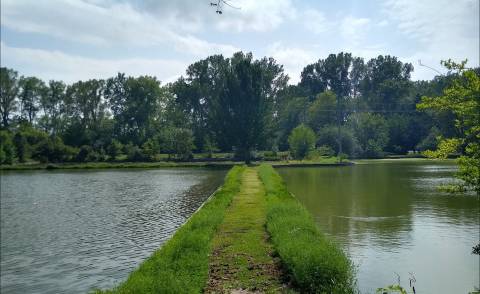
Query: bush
{"points": [[114, 149], [328, 136], [87, 154], [315, 264], [52, 149], [371, 131], [301, 141], [21, 146], [7, 150], [136, 154]]}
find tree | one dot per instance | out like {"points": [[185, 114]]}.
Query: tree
{"points": [[243, 109], [322, 111], [371, 131], [8, 94], [462, 98], [292, 113], [386, 83], [301, 141], [31, 91], [136, 105], [329, 136], [53, 106], [183, 143], [114, 149]]}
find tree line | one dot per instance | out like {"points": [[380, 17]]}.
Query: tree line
{"points": [[343, 105]]}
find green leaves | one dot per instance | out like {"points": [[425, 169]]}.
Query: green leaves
{"points": [[301, 141]]}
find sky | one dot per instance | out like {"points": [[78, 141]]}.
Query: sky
{"points": [[73, 40]]}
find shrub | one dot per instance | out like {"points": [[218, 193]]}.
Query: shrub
{"points": [[135, 154], [52, 149], [114, 149], [371, 131], [329, 135], [87, 154], [7, 150], [301, 141]]}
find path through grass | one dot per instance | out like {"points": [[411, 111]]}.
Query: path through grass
{"points": [[241, 261]]}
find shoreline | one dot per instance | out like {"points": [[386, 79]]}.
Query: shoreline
{"points": [[164, 164]]}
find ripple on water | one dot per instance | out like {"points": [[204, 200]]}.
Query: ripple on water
{"points": [[68, 232]]}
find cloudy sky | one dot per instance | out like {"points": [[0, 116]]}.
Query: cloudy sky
{"points": [[81, 39]]}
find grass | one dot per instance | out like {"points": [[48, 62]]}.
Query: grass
{"points": [[106, 165], [316, 264], [181, 265], [242, 256], [159, 164]]}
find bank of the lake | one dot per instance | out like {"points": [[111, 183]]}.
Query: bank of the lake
{"points": [[391, 219], [326, 161], [231, 244]]}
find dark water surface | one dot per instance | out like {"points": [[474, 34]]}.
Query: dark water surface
{"points": [[391, 219], [71, 231]]}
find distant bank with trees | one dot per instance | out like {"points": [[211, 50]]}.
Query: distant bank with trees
{"points": [[343, 105]]}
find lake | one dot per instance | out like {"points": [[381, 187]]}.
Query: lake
{"points": [[394, 223], [71, 231]]}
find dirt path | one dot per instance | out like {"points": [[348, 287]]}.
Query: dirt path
{"points": [[242, 260]]}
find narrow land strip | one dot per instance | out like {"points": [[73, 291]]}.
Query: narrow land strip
{"points": [[241, 261]]}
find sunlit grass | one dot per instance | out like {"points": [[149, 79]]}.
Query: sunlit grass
{"points": [[181, 265], [315, 264]]}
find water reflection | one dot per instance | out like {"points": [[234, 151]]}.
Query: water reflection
{"points": [[391, 218], [66, 232]]}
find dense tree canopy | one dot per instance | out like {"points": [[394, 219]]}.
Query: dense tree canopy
{"points": [[237, 104]]}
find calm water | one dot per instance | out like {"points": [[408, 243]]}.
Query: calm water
{"points": [[391, 219], [70, 231]]}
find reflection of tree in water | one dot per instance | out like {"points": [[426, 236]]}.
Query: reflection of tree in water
{"points": [[361, 202], [375, 203]]}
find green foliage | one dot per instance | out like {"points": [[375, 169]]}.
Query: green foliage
{"points": [[114, 149], [325, 150], [330, 135], [462, 99], [183, 143], [32, 89], [315, 264], [7, 149], [52, 149], [21, 146], [371, 131], [8, 93], [181, 265], [87, 154], [151, 148], [430, 142], [392, 289], [301, 141], [177, 141], [322, 111]]}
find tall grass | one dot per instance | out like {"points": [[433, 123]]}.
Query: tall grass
{"points": [[315, 264], [181, 265]]}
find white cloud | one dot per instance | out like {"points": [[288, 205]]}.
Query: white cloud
{"points": [[382, 23], [57, 65], [293, 59], [442, 29], [105, 25], [255, 15], [354, 29], [316, 21]]}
